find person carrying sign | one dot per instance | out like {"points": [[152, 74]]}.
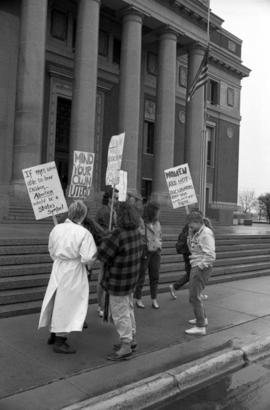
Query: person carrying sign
{"points": [[201, 243], [65, 303], [121, 252]]}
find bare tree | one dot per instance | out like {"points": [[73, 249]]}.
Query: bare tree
{"points": [[247, 200], [264, 201]]}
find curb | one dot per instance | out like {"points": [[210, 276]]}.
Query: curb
{"points": [[155, 389]]}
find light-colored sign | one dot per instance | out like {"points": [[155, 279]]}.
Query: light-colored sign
{"points": [[45, 191], [180, 186], [115, 153], [122, 186], [82, 174]]}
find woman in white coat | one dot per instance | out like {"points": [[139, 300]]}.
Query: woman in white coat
{"points": [[65, 303]]}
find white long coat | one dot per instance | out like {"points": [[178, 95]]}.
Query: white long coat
{"points": [[65, 303]]}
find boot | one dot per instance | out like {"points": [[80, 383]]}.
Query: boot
{"points": [[61, 346], [124, 353], [133, 346], [51, 339]]}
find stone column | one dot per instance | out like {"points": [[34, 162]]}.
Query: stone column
{"points": [[130, 88], [30, 90], [165, 123], [83, 114], [194, 142]]}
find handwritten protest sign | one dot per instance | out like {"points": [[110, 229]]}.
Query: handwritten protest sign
{"points": [[180, 186], [122, 186], [45, 191], [82, 174], [115, 153]]}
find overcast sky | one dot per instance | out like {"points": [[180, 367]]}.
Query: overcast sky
{"points": [[250, 21]]}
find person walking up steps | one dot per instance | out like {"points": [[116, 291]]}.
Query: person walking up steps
{"points": [[201, 243]]}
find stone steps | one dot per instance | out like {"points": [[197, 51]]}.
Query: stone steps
{"points": [[25, 268]]}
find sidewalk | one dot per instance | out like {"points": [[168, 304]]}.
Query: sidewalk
{"points": [[34, 377]]}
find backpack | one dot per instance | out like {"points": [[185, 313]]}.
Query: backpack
{"points": [[181, 245]]}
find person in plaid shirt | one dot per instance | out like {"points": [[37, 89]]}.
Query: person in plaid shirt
{"points": [[121, 253]]}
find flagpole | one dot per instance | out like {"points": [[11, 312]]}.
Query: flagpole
{"points": [[204, 132]]}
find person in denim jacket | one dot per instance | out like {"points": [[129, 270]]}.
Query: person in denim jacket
{"points": [[201, 243]]}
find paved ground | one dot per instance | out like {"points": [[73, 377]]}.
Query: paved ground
{"points": [[34, 377]]}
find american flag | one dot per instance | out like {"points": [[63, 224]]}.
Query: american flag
{"points": [[200, 78]]}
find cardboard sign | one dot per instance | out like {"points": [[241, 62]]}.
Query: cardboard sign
{"points": [[45, 190], [122, 186], [82, 174], [180, 186], [115, 153]]}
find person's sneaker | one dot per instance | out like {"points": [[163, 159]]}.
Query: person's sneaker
{"points": [[196, 331], [140, 304], [204, 296], [194, 321], [133, 346], [172, 292], [124, 353], [100, 312]]}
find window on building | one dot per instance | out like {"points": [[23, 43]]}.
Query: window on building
{"points": [[59, 25], [62, 133], [149, 137], [146, 189], [74, 28], [230, 97], [103, 43], [213, 92], [116, 51], [210, 146]]}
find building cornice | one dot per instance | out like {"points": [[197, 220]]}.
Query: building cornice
{"points": [[225, 60]]}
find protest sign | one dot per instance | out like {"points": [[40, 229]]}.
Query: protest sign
{"points": [[45, 191], [122, 186], [115, 153], [82, 174], [180, 186]]}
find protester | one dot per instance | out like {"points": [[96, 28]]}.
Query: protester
{"points": [[182, 248], [152, 257], [103, 219], [121, 252], [201, 243], [65, 304]]}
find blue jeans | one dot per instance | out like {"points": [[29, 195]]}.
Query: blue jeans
{"points": [[152, 262], [198, 280]]}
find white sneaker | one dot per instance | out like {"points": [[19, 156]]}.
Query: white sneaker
{"points": [[172, 292], [203, 296], [196, 331], [100, 312], [194, 321]]}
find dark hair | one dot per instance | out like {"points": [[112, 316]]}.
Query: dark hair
{"points": [[150, 212], [127, 217], [195, 217]]}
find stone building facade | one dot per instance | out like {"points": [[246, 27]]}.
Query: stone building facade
{"points": [[74, 73]]}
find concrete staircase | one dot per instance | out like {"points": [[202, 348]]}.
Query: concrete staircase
{"points": [[25, 268]]}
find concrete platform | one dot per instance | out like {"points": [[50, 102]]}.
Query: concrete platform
{"points": [[33, 376]]}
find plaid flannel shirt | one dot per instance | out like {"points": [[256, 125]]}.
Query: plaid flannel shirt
{"points": [[121, 253]]}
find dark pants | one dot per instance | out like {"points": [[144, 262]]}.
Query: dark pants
{"points": [[184, 279], [152, 262], [198, 280]]}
